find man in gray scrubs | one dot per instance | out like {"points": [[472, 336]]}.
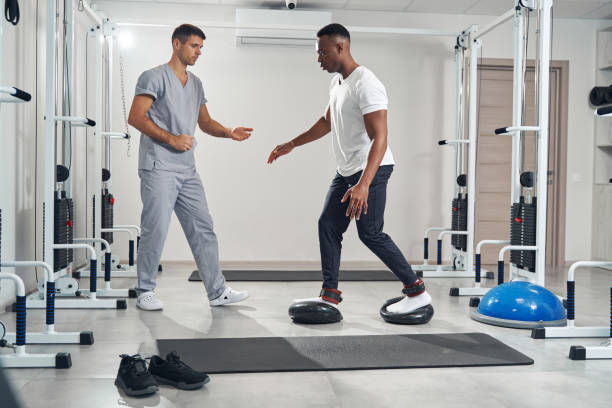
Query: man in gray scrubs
{"points": [[168, 103]]}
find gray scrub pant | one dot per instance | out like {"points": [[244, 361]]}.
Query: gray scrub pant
{"points": [[163, 192]]}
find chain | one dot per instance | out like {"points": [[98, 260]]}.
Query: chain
{"points": [[127, 128]]}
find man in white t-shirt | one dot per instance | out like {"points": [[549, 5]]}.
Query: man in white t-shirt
{"points": [[357, 117]]}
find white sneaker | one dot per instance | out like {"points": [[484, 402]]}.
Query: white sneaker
{"points": [[410, 304], [148, 301], [229, 295]]}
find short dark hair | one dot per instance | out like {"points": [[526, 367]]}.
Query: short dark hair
{"points": [[334, 29], [184, 31]]}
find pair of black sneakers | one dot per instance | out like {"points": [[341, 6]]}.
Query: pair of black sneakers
{"points": [[136, 379]]}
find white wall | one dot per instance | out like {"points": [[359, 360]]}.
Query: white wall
{"points": [[269, 212]]}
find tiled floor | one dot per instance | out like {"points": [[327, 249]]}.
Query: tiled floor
{"points": [[553, 380]]}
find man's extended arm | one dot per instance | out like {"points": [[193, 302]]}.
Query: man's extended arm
{"points": [[214, 128], [317, 131]]}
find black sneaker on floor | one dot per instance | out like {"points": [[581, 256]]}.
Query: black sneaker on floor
{"points": [[134, 378], [173, 371]]}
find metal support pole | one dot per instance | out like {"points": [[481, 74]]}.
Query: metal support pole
{"points": [[49, 146], [542, 176], [459, 58], [473, 138], [67, 94], [495, 23], [517, 113], [91, 13], [97, 172], [108, 40]]}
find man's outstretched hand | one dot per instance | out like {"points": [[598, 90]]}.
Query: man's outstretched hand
{"points": [[280, 150], [240, 133]]}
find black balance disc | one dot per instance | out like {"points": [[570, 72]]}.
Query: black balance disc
{"points": [[421, 315], [314, 312]]}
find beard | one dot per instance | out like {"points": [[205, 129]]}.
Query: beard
{"points": [[188, 60]]}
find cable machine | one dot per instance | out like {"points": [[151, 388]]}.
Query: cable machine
{"points": [[57, 229], [106, 33], [523, 302], [18, 340], [463, 203], [462, 225], [102, 201]]}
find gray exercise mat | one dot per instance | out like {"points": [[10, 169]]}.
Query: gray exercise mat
{"points": [[324, 353], [300, 276]]}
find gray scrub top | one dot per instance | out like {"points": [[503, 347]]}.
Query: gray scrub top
{"points": [[175, 109]]}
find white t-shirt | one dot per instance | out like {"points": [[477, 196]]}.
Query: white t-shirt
{"points": [[349, 99]]}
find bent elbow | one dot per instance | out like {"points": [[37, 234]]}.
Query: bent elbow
{"points": [[132, 120]]}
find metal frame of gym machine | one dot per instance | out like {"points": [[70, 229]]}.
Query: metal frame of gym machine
{"points": [[106, 31], [462, 261], [99, 32], [516, 130], [570, 330], [51, 119], [21, 358], [133, 231]]}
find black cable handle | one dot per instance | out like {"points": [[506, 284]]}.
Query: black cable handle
{"points": [[11, 11]]}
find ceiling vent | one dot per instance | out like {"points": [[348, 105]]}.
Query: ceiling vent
{"points": [[279, 27]]}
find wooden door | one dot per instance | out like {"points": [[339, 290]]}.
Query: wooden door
{"points": [[493, 165]]}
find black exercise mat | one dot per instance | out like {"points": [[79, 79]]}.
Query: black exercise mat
{"points": [[324, 353], [299, 276]]}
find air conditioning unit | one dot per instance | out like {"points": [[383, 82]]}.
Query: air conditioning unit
{"points": [[279, 27]]}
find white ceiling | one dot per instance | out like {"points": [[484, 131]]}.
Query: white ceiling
{"points": [[598, 9]]}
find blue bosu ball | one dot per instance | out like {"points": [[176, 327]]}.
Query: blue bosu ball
{"points": [[520, 304]]}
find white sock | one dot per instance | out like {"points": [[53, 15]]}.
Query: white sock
{"points": [[317, 299], [410, 304]]}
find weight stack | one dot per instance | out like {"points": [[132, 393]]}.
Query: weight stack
{"points": [[70, 224], [460, 212], [108, 202], [455, 222], [462, 239], [523, 232], [63, 234]]}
